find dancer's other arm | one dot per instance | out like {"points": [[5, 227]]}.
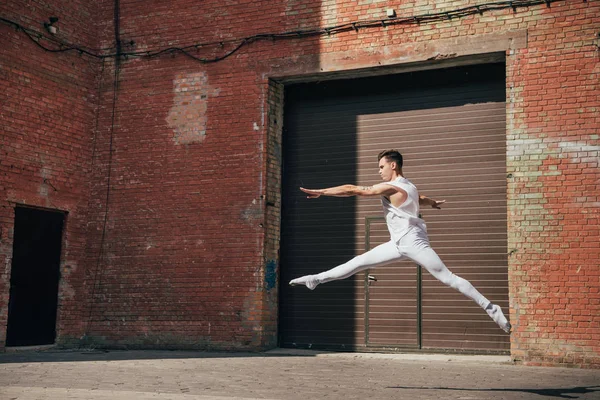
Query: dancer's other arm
{"points": [[426, 201]]}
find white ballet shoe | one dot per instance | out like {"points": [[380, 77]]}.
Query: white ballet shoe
{"points": [[310, 281], [495, 312]]}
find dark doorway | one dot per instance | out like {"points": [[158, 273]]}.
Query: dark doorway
{"points": [[34, 277]]}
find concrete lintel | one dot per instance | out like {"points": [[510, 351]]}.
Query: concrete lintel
{"points": [[440, 53]]}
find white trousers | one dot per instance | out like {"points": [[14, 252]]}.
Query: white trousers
{"points": [[414, 246]]}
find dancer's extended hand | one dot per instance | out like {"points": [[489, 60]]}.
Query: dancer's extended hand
{"points": [[438, 204], [312, 193]]}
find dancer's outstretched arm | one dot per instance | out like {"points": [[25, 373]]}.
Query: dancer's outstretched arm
{"points": [[376, 190], [351, 190]]}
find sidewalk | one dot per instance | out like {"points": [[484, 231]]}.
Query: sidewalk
{"points": [[282, 374]]}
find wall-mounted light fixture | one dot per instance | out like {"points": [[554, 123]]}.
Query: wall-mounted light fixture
{"points": [[50, 25]]}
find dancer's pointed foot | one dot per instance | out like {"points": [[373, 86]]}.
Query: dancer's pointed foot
{"points": [[495, 312], [310, 281]]}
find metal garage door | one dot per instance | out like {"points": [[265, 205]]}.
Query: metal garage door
{"points": [[450, 126]]}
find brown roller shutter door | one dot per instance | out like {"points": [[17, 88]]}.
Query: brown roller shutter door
{"points": [[450, 126]]}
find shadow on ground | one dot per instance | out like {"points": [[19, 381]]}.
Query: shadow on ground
{"points": [[563, 393], [85, 355]]}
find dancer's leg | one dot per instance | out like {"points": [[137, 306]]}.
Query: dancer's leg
{"points": [[428, 259], [379, 255], [425, 256]]}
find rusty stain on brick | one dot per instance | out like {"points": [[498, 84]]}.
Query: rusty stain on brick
{"points": [[188, 115]]}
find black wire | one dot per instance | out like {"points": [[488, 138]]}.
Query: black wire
{"points": [[440, 16], [98, 275], [350, 26], [93, 294], [35, 36]]}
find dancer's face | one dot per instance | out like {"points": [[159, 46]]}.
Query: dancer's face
{"points": [[386, 169]]}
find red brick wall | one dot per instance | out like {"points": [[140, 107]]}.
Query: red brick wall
{"points": [[190, 243], [47, 118], [553, 155], [185, 259]]}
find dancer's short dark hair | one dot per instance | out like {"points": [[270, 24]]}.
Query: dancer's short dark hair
{"points": [[392, 156]]}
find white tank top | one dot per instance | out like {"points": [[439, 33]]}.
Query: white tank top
{"points": [[401, 220]]}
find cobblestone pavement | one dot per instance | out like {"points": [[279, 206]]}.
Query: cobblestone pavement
{"points": [[282, 374]]}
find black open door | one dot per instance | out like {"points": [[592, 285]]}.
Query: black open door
{"points": [[34, 278]]}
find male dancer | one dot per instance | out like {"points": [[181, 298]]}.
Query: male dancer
{"points": [[400, 200]]}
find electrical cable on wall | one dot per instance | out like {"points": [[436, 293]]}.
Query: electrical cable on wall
{"points": [[291, 35], [97, 274]]}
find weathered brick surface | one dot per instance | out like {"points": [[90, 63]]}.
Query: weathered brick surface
{"points": [[48, 106], [189, 256], [553, 155]]}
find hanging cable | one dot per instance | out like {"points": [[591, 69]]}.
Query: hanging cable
{"points": [[98, 272], [63, 46], [356, 26]]}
